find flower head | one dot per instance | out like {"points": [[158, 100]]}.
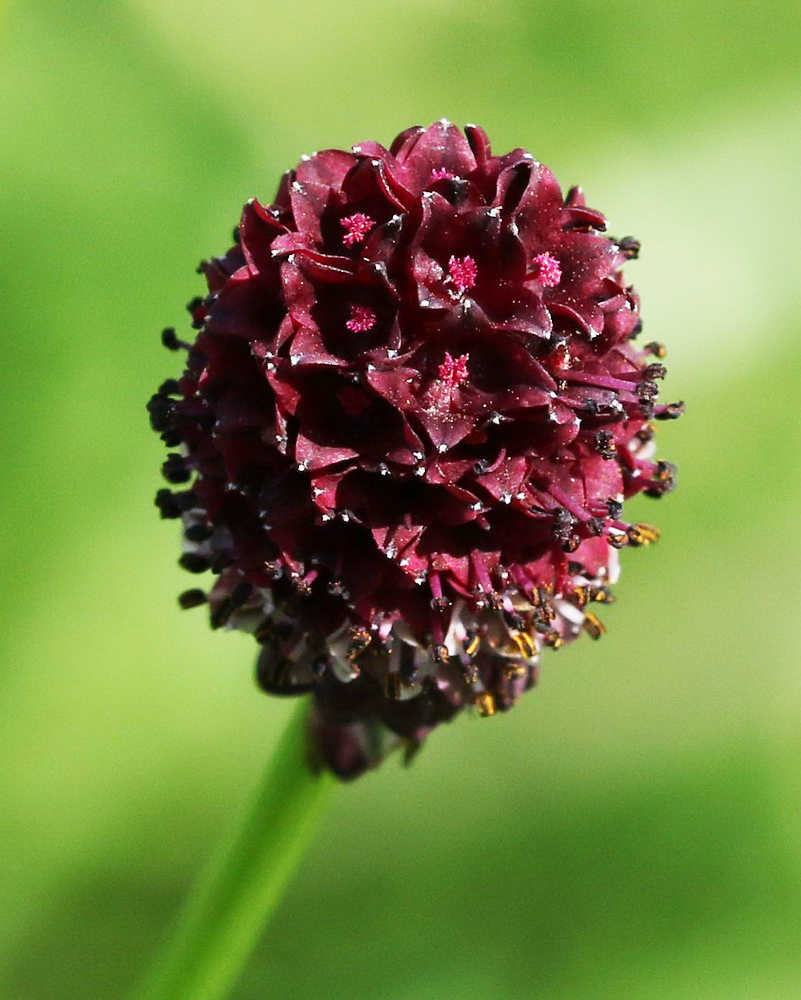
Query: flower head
{"points": [[407, 426]]}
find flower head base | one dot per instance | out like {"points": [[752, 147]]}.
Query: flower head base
{"points": [[407, 427]]}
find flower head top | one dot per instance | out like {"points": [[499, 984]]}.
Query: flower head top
{"points": [[411, 416]]}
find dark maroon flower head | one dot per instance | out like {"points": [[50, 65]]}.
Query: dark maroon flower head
{"points": [[408, 423]]}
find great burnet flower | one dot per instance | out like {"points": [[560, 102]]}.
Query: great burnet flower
{"points": [[408, 422]]}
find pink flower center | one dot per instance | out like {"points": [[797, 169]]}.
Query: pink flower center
{"points": [[550, 273], [441, 174], [463, 272], [357, 226], [453, 371], [362, 319]]}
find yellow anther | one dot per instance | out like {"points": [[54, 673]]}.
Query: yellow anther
{"points": [[472, 644], [593, 625], [485, 704], [553, 639], [524, 643], [644, 534]]}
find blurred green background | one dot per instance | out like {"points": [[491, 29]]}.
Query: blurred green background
{"points": [[633, 828]]}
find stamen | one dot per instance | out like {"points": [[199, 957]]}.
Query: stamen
{"points": [[603, 595], [193, 562], [453, 371], [357, 226], [630, 247], [593, 625], [605, 444], [168, 508], [643, 534], [669, 412], [463, 272], [482, 576], [442, 174], [550, 273], [485, 704], [198, 532], [174, 469], [362, 319], [568, 502], [169, 387], [192, 599], [472, 641], [553, 639], [525, 644]]}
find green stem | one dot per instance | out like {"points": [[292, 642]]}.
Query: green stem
{"points": [[243, 883]]}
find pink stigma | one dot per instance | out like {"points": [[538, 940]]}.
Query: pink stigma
{"points": [[362, 319], [441, 174], [550, 273], [453, 371], [463, 272], [358, 226]]}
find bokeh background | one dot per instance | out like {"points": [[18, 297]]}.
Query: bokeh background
{"points": [[633, 828]]}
